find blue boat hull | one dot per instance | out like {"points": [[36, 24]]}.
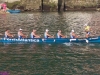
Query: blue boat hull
{"points": [[37, 40], [51, 40], [14, 11]]}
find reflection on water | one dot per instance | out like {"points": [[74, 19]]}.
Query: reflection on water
{"points": [[49, 59]]}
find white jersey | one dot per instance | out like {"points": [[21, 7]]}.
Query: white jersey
{"points": [[45, 35], [71, 36]]}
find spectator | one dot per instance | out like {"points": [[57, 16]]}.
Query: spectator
{"points": [[4, 6]]}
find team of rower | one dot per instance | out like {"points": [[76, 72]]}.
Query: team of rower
{"points": [[46, 34]]}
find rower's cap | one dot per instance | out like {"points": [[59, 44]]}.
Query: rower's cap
{"points": [[59, 30], [46, 30], [85, 25], [72, 31], [20, 29], [34, 30]]}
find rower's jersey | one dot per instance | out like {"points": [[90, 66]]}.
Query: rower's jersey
{"points": [[45, 35], [19, 36], [6, 36], [58, 36], [71, 36], [32, 36], [88, 33], [87, 28]]}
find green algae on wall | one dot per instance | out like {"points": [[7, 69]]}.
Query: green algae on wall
{"points": [[81, 3], [53, 5], [13, 5]]}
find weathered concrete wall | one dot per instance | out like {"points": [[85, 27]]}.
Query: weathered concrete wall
{"points": [[50, 5], [81, 3], [37, 4], [55, 5], [10, 1], [56, 1], [31, 5]]}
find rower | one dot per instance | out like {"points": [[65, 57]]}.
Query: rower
{"points": [[87, 30], [8, 34], [21, 35], [47, 35], [59, 34], [73, 35], [34, 35]]}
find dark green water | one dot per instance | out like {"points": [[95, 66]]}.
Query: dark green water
{"points": [[49, 59], [46, 59]]}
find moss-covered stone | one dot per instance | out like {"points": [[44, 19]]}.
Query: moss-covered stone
{"points": [[13, 5], [52, 6], [81, 3]]}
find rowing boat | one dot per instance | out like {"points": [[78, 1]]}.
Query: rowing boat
{"points": [[51, 40], [14, 11]]}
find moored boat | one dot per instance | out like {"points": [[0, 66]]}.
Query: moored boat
{"points": [[51, 40], [14, 11]]}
